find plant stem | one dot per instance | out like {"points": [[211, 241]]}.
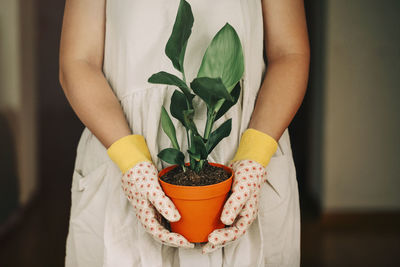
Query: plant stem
{"points": [[187, 131], [188, 104], [183, 75], [200, 166], [211, 114], [209, 123], [192, 160], [188, 139]]}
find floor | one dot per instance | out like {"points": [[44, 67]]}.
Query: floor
{"points": [[349, 239]]}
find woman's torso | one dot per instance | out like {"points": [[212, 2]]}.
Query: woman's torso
{"points": [[136, 34]]}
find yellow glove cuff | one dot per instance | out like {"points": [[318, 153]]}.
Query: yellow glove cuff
{"points": [[256, 145], [129, 150]]}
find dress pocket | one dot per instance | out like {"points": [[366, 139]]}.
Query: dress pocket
{"points": [[276, 189], [86, 189], [76, 190], [273, 209]]}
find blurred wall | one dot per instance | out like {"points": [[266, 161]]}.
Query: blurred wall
{"points": [[10, 65], [18, 89], [9, 103], [356, 113]]}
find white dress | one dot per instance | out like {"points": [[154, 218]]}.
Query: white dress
{"points": [[103, 230]]}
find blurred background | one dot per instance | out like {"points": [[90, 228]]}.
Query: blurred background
{"points": [[345, 137]]}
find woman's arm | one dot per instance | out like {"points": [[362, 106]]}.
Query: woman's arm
{"points": [[288, 56], [80, 71]]}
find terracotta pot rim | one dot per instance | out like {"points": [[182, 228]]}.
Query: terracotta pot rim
{"points": [[196, 186], [190, 192]]}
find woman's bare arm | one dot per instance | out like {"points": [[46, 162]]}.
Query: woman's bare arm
{"points": [[288, 55], [80, 71]]}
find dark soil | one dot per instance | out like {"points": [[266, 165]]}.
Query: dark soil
{"points": [[207, 176]]}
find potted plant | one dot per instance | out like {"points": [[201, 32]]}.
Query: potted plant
{"points": [[199, 188]]}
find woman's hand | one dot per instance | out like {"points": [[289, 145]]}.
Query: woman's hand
{"points": [[241, 208], [140, 185]]}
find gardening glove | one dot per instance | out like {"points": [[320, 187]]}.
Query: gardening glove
{"points": [[240, 210], [140, 184]]}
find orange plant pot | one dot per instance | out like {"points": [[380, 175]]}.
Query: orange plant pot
{"points": [[200, 206]]}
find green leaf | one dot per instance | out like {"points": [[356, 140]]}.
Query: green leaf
{"points": [[210, 90], [178, 105], [172, 156], [163, 77], [176, 45], [227, 104], [220, 133], [198, 147], [224, 58], [188, 119], [168, 127]]}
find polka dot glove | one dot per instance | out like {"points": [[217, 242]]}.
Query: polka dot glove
{"points": [[241, 208], [140, 184]]}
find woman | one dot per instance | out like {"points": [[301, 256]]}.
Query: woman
{"points": [[108, 51]]}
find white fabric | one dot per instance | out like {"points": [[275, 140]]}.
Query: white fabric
{"points": [[103, 229]]}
